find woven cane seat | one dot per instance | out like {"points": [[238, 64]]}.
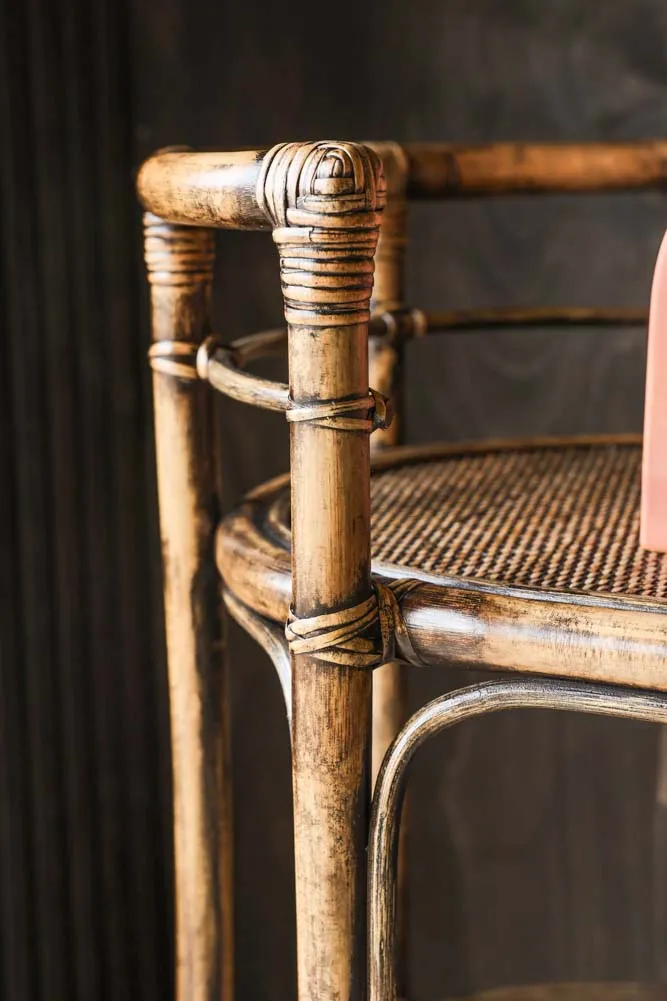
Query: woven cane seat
{"points": [[549, 516], [521, 556], [564, 518]]}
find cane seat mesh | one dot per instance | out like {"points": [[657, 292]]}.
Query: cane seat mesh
{"points": [[564, 518]]}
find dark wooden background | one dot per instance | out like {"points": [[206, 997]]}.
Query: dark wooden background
{"points": [[539, 845]]}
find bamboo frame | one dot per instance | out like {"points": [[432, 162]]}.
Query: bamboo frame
{"points": [[180, 265], [445, 170], [219, 189], [322, 201]]}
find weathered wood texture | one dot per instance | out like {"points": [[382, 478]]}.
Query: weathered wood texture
{"points": [[540, 851], [450, 170], [179, 264], [545, 865], [325, 201]]}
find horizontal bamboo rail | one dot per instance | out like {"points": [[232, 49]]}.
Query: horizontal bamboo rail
{"points": [[446, 171], [220, 189]]}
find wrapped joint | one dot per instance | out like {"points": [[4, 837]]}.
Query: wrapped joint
{"points": [[177, 255], [364, 636], [175, 358], [364, 413], [324, 201]]}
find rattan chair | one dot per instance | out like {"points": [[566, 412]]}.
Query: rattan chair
{"points": [[522, 556]]}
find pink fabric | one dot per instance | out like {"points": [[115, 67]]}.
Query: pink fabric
{"points": [[653, 531]]}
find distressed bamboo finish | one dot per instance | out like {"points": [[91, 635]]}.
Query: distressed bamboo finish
{"points": [[443, 170], [323, 201], [203, 189], [617, 639], [180, 263]]}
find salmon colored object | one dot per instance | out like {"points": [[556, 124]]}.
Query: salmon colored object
{"points": [[653, 531]]}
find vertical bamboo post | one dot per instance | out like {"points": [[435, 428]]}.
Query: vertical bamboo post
{"points": [[385, 360], [179, 261], [323, 200], [390, 682]]}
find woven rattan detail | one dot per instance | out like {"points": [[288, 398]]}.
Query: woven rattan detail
{"points": [[365, 636], [564, 518]]}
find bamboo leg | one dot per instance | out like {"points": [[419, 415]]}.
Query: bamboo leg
{"points": [[390, 682], [386, 375], [179, 260], [322, 199]]}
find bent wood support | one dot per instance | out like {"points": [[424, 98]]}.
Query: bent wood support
{"points": [[323, 201], [455, 707], [219, 189], [272, 640], [203, 189], [180, 264]]}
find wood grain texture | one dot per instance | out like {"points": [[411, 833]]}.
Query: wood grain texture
{"points": [[447, 711]]}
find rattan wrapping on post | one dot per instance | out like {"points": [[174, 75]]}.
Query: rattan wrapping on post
{"points": [[184, 360], [366, 635], [338, 414]]}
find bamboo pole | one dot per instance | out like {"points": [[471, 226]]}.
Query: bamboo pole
{"points": [[180, 263], [323, 199]]}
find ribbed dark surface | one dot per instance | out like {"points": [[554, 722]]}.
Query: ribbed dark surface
{"points": [[84, 885]]}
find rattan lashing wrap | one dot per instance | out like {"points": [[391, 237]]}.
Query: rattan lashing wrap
{"points": [[564, 518], [364, 636]]}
